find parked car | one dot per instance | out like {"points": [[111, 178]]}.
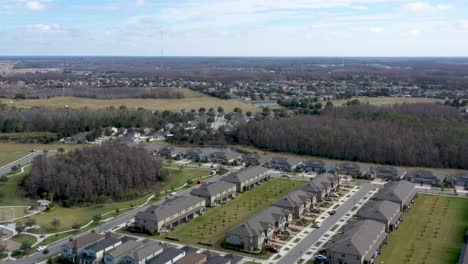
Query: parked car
{"points": [[334, 195], [328, 199], [317, 225], [41, 248], [173, 193], [271, 249], [332, 212], [286, 232], [315, 211], [320, 258]]}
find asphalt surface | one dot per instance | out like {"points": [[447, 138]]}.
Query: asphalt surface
{"points": [[23, 161], [119, 220], [295, 253]]}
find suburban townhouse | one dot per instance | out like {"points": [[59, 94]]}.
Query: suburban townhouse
{"points": [[315, 189], [387, 173], [171, 213], [147, 251], [95, 252], [360, 243], [225, 157], [425, 177], [254, 159], [330, 181], [260, 229], [317, 166], [171, 152], [216, 193], [196, 154], [284, 164], [74, 249], [168, 256], [351, 169], [386, 212], [193, 258], [459, 181], [248, 178], [401, 192], [118, 254], [298, 203]]}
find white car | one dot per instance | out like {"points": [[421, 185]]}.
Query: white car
{"points": [[173, 193], [41, 248]]}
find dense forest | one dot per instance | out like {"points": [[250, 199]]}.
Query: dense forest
{"points": [[94, 174], [409, 134], [68, 122]]}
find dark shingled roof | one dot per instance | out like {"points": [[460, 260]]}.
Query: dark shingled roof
{"points": [[166, 256], [213, 188], [103, 244], [170, 207], [244, 175], [398, 191], [379, 210]]}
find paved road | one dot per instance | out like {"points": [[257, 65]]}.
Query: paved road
{"points": [[295, 253], [120, 220], [23, 161]]}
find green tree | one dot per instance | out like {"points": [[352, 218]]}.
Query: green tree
{"points": [[30, 222], [97, 218], [56, 223], [20, 228]]}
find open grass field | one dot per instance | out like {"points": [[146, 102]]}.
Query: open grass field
{"points": [[431, 233], [24, 238], [10, 190], [192, 100], [211, 227], [7, 214], [10, 152], [83, 215], [389, 100]]}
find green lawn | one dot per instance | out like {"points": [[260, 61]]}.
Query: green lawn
{"points": [[7, 214], [83, 215], [431, 233], [9, 190], [211, 227], [24, 238]]}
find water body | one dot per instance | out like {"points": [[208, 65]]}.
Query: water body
{"points": [[263, 105]]}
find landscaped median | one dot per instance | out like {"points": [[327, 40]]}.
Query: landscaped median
{"points": [[432, 232]]}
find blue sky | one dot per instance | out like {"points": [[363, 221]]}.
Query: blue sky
{"points": [[234, 28]]}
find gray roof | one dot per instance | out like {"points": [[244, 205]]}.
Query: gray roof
{"points": [[461, 176], [228, 155], [314, 187], [213, 188], [388, 171], [288, 160], [170, 207], [379, 210], [325, 179], [357, 238], [424, 174], [149, 248], [218, 260], [293, 200], [257, 157], [124, 248], [244, 175], [167, 255], [397, 191], [260, 222], [103, 244]]}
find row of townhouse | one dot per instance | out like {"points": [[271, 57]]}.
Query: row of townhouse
{"points": [[256, 232], [114, 249], [179, 210], [200, 155], [362, 239]]}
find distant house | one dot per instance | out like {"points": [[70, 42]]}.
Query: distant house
{"points": [[216, 193], [193, 258], [254, 159], [170, 214], [316, 165], [425, 177], [43, 205], [386, 212], [248, 178], [350, 169], [329, 181], [260, 229], [133, 136], [360, 243], [218, 260], [400, 192], [459, 180], [171, 152], [387, 173], [196, 154], [141, 255], [225, 157], [298, 203], [168, 256], [95, 253], [284, 164], [74, 249]]}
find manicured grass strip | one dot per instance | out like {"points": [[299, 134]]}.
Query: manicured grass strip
{"points": [[9, 190], [431, 233], [7, 214], [24, 238], [334, 227], [211, 227]]}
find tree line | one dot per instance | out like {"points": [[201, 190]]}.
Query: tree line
{"points": [[427, 135], [94, 174]]}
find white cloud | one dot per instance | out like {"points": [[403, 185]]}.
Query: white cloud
{"points": [[140, 2], [35, 5], [360, 8], [414, 33], [462, 25], [44, 28], [376, 29], [423, 7]]}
